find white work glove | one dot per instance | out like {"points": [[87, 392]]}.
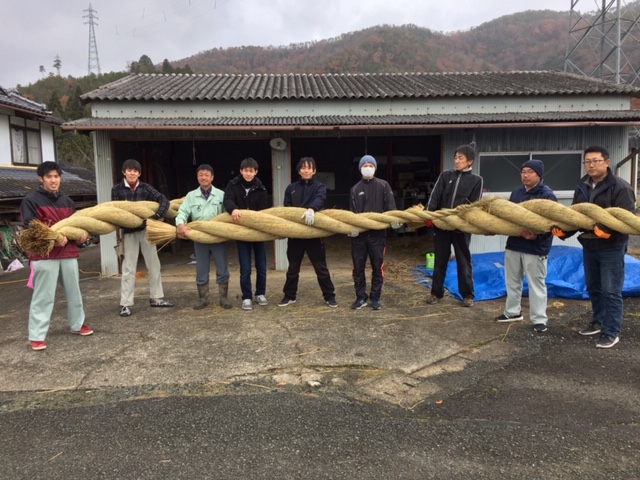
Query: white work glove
{"points": [[396, 225], [354, 233], [309, 216]]}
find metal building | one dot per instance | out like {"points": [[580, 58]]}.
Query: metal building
{"points": [[410, 122]]}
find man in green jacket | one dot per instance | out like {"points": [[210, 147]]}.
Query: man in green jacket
{"points": [[204, 203]]}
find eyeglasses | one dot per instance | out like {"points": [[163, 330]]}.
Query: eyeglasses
{"points": [[592, 162]]}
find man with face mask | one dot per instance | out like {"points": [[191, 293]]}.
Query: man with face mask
{"points": [[370, 194]]}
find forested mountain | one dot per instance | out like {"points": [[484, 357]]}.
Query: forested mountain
{"points": [[531, 40], [528, 40]]}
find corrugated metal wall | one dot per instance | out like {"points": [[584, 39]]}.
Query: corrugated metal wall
{"points": [[614, 139], [104, 182]]}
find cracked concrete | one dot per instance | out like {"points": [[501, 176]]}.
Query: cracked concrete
{"points": [[395, 355]]}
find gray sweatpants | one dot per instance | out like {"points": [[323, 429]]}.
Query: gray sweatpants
{"points": [[45, 281], [516, 266]]}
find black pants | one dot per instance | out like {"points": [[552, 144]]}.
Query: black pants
{"points": [[373, 248], [316, 253], [460, 241]]}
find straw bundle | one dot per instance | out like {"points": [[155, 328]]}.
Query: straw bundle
{"points": [[101, 219], [38, 238]]}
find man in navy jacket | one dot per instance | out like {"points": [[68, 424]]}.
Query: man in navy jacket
{"points": [[527, 254], [310, 194], [603, 250]]}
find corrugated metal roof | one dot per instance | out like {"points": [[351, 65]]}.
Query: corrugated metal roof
{"points": [[12, 99], [624, 116], [16, 182], [221, 87]]}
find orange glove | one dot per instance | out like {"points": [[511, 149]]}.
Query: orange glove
{"points": [[429, 223], [602, 231], [558, 232]]}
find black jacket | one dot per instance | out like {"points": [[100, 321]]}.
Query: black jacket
{"points": [[455, 188], [372, 195], [242, 195], [612, 191], [311, 194]]}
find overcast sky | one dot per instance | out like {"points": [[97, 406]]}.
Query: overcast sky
{"points": [[35, 31]]}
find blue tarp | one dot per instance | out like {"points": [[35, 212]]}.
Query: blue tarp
{"points": [[565, 275]]}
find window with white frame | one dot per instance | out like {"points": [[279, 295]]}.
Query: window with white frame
{"points": [[26, 146], [501, 171]]}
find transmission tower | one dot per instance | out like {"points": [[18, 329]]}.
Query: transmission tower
{"points": [[94, 61], [604, 43]]}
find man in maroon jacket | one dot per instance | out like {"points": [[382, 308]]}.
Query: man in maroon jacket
{"points": [[49, 205]]}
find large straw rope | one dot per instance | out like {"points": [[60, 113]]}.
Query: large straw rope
{"points": [[491, 215]]}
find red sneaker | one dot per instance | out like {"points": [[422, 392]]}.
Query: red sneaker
{"points": [[84, 331], [38, 345]]}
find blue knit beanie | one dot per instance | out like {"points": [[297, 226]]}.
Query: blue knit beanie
{"points": [[367, 159], [535, 165]]}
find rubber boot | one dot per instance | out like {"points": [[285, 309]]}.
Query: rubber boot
{"points": [[223, 289], [203, 296]]}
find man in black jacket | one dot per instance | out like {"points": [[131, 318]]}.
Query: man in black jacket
{"points": [[310, 194], [134, 240], [246, 192], [370, 194], [454, 187], [603, 249]]}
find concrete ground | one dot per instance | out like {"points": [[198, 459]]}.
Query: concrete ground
{"points": [[531, 404]]}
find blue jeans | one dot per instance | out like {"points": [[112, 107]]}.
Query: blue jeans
{"points": [[604, 275], [244, 257]]}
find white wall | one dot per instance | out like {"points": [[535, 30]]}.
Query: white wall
{"points": [[48, 143], [5, 140], [378, 106]]}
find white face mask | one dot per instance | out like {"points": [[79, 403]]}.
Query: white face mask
{"points": [[367, 172]]}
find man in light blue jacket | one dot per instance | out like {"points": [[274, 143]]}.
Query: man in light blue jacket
{"points": [[204, 203]]}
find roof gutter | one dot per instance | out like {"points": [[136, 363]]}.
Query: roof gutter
{"points": [[269, 128]]}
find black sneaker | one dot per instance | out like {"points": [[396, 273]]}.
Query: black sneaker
{"points": [[375, 304], [607, 341], [286, 301], [331, 302], [593, 329], [125, 311], [359, 303], [540, 327], [509, 318]]}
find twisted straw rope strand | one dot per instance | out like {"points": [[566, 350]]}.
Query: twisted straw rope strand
{"points": [[491, 215]]}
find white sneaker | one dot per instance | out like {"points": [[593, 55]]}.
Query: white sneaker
{"points": [[247, 304], [262, 300]]}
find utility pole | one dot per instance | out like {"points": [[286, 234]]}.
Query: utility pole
{"points": [[599, 43], [94, 61]]}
